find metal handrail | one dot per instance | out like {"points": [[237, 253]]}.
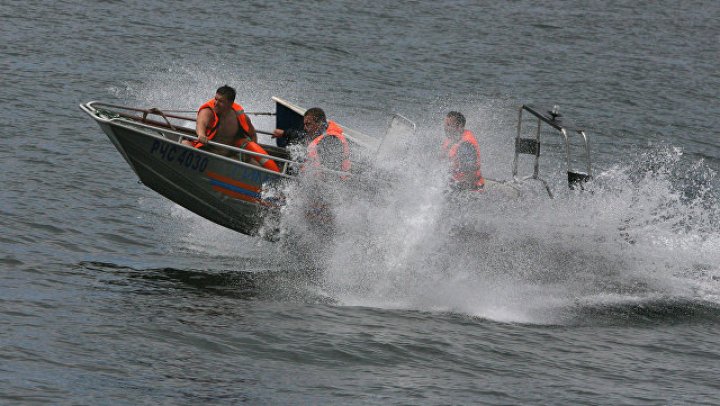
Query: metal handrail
{"points": [[90, 109], [164, 112], [587, 151], [152, 110], [183, 135], [252, 113]]}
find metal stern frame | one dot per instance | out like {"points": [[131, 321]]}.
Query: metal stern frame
{"points": [[531, 146]]}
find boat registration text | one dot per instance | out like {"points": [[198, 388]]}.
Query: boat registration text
{"points": [[189, 159]]}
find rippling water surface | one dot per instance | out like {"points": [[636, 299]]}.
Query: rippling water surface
{"points": [[111, 294]]}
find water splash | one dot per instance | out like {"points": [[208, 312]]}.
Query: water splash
{"points": [[644, 231], [639, 233]]}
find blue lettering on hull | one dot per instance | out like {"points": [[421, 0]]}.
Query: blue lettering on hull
{"points": [[181, 156]]}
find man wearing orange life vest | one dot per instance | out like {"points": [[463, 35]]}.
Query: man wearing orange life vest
{"points": [[326, 144], [463, 151], [223, 121]]}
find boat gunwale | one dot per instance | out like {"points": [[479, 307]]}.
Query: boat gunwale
{"points": [[90, 110], [132, 125]]}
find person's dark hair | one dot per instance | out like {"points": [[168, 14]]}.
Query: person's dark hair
{"points": [[457, 118], [317, 114], [227, 92]]}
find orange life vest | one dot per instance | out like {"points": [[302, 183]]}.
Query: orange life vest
{"points": [[451, 150], [249, 145], [333, 130], [211, 130]]}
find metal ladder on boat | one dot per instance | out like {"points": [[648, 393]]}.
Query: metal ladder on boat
{"points": [[531, 146]]}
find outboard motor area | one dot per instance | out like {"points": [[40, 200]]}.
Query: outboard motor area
{"points": [[575, 142]]}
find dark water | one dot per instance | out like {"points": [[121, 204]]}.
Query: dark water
{"points": [[111, 294]]}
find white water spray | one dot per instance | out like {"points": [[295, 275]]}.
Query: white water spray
{"points": [[642, 231], [400, 242]]}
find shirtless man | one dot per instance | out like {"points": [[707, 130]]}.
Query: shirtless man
{"points": [[223, 121]]}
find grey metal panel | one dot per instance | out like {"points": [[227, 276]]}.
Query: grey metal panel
{"points": [[221, 189], [190, 187]]}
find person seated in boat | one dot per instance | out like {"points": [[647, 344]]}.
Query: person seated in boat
{"points": [[324, 142], [461, 149], [223, 121]]}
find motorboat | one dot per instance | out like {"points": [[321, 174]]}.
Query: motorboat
{"points": [[228, 190]]}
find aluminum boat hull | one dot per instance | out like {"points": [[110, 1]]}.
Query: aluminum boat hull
{"points": [[223, 190]]}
